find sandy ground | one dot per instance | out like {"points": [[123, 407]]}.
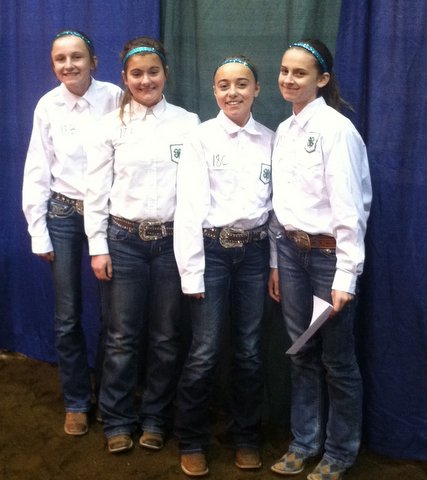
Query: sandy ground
{"points": [[33, 445]]}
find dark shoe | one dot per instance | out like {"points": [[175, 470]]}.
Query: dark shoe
{"points": [[119, 443], [291, 463], [194, 464], [98, 415], [75, 423], [326, 470], [152, 440], [247, 459]]}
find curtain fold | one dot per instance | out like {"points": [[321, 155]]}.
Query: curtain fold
{"points": [[382, 68]]}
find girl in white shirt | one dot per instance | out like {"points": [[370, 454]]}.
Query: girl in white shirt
{"points": [[321, 197], [222, 253], [129, 211], [53, 191]]}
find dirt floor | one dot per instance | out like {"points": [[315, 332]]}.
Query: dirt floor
{"points": [[33, 445]]}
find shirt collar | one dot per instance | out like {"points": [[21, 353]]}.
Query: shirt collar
{"points": [[140, 111], [71, 99], [308, 111], [231, 128]]}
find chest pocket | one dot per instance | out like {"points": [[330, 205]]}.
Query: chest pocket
{"points": [[310, 152], [310, 166], [311, 142]]}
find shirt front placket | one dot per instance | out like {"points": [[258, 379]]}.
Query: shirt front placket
{"points": [[151, 202]]}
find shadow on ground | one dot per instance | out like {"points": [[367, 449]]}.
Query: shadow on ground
{"points": [[33, 445]]}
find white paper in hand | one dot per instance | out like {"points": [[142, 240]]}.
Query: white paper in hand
{"points": [[321, 312]]}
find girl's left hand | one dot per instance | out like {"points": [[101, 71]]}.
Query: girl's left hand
{"points": [[339, 300], [273, 284]]}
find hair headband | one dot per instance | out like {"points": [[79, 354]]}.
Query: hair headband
{"points": [[143, 50], [242, 62], [75, 34], [313, 51]]}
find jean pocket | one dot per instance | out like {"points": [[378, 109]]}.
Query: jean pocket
{"points": [[58, 209], [116, 233], [327, 252], [211, 243], [262, 245]]}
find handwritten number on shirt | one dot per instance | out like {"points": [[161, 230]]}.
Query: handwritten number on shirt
{"points": [[219, 161]]}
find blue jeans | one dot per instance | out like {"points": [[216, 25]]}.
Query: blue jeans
{"points": [[143, 271], [238, 275], [326, 410], [68, 237]]}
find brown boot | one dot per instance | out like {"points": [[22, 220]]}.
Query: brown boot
{"points": [[75, 423], [247, 459], [194, 464], [152, 440], [120, 443]]}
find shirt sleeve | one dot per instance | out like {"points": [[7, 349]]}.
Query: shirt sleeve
{"points": [[99, 180], [37, 181], [274, 232], [193, 200], [350, 193]]}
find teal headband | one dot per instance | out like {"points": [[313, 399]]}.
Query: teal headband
{"points": [[75, 34], [242, 62], [313, 51], [143, 50]]}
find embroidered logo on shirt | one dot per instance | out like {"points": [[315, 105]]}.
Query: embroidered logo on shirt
{"points": [[265, 174], [175, 150], [311, 144]]}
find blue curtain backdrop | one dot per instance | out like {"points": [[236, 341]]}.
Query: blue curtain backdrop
{"points": [[26, 31], [382, 67]]}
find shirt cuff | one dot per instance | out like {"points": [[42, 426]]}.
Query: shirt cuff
{"points": [[41, 245], [192, 284], [273, 259], [98, 246], [345, 282]]}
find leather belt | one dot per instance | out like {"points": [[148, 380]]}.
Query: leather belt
{"points": [[306, 242], [147, 230], [230, 237], [77, 204]]}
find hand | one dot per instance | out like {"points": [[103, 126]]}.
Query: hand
{"points": [[273, 285], [48, 256], [102, 267], [339, 300]]}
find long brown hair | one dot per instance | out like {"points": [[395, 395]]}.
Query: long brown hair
{"points": [[130, 45], [330, 92]]}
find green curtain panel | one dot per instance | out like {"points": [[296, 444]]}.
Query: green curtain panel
{"points": [[198, 34]]}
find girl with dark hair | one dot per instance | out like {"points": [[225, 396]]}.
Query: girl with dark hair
{"points": [[222, 251], [130, 205], [321, 198]]}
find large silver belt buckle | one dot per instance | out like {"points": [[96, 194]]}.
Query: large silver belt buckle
{"points": [[226, 237], [146, 225], [302, 240], [79, 207]]}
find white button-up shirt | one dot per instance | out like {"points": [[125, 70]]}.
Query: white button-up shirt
{"points": [[223, 180], [56, 158], [132, 167], [321, 184]]}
